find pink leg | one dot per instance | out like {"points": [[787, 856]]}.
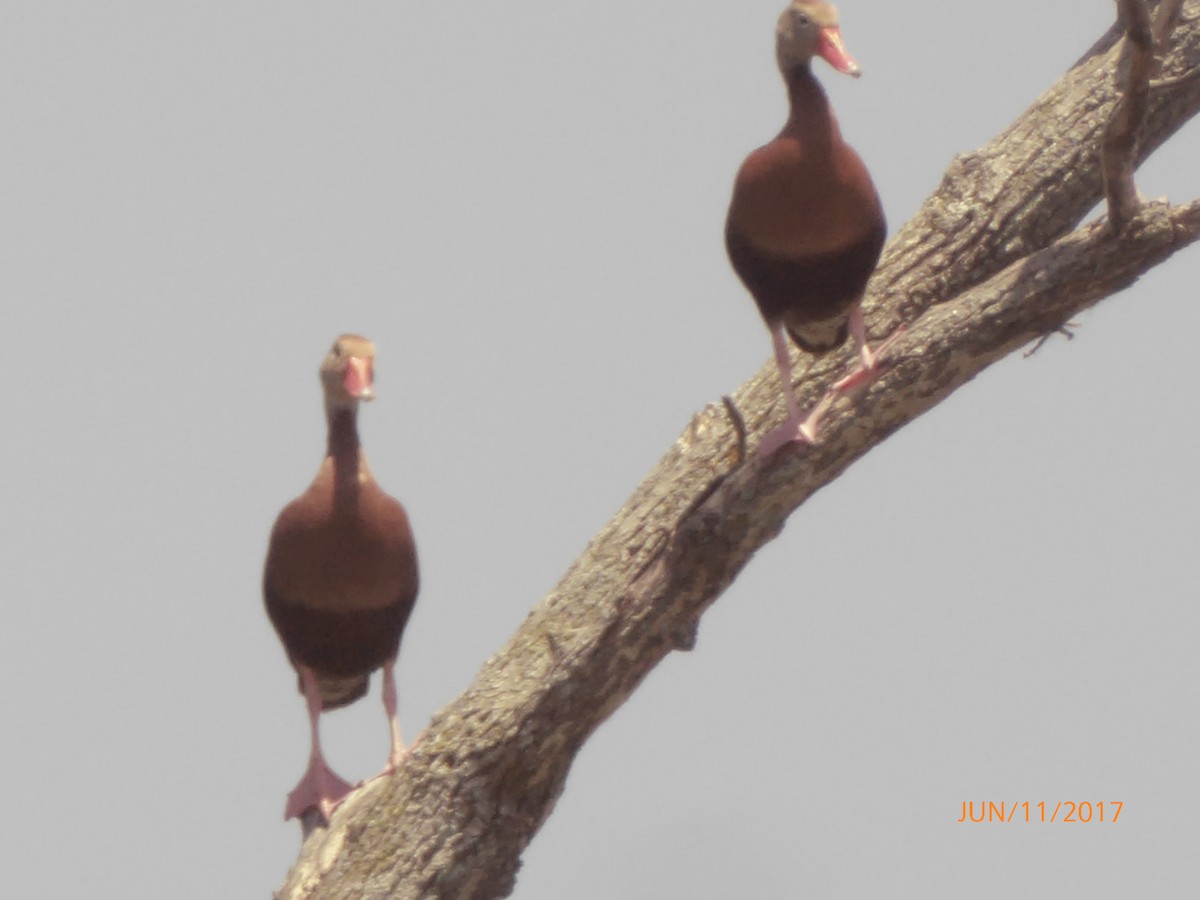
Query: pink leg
{"points": [[798, 428], [390, 707], [320, 787], [868, 366]]}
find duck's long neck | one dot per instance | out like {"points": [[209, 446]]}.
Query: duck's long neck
{"points": [[345, 452], [809, 113]]}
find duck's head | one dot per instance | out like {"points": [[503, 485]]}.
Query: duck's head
{"points": [[809, 28]]}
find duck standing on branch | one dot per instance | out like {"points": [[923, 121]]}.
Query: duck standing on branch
{"points": [[341, 576], [805, 226]]}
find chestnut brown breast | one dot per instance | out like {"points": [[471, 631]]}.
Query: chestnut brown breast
{"points": [[805, 225], [341, 579]]}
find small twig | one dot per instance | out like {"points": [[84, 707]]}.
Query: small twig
{"points": [[1166, 17], [739, 426], [664, 537], [1064, 330], [1121, 136], [1176, 81], [684, 523]]}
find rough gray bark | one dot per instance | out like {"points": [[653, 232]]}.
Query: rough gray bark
{"points": [[988, 264]]}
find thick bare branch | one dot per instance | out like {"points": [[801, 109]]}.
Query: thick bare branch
{"points": [[1031, 184], [490, 767], [988, 264]]}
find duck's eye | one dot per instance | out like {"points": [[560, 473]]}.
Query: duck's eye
{"points": [[802, 21], [337, 349]]}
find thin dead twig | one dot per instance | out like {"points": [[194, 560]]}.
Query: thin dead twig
{"points": [[1124, 127]]}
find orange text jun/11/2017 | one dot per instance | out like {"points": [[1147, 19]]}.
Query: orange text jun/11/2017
{"points": [[1067, 812]]}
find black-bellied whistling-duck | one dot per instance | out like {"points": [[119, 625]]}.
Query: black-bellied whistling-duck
{"points": [[341, 576], [805, 226]]}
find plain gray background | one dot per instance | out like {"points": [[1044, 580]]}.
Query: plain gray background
{"points": [[522, 204]]}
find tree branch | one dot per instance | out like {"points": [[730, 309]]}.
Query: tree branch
{"points": [[1121, 135], [988, 264], [1133, 76], [1166, 17]]}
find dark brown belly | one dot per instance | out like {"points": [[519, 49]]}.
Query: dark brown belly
{"points": [[808, 289], [339, 646]]}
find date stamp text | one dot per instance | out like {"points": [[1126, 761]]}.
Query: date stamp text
{"points": [[1067, 812]]}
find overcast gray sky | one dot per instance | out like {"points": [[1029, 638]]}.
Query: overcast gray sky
{"points": [[522, 204]]}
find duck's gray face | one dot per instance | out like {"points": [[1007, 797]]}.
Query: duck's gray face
{"points": [[348, 372], [809, 28]]}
